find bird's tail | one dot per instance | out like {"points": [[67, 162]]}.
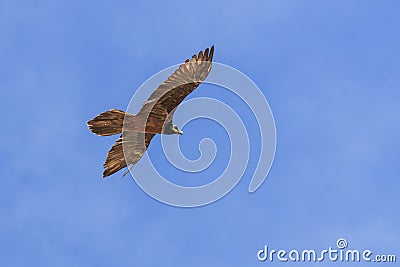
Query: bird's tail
{"points": [[107, 123]]}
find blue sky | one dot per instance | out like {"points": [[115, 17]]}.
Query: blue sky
{"points": [[329, 69]]}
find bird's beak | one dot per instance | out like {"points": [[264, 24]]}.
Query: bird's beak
{"points": [[180, 132]]}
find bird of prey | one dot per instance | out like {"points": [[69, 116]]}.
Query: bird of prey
{"points": [[155, 116]]}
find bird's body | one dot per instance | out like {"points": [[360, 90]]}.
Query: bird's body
{"points": [[155, 116]]}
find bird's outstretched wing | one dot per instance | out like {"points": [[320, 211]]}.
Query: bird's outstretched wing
{"points": [[135, 145], [172, 91]]}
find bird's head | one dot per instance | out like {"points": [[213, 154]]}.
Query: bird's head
{"points": [[172, 129], [176, 130]]}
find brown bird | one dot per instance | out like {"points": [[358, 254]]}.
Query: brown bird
{"points": [[155, 116]]}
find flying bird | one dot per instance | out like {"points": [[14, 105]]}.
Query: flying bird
{"points": [[155, 116]]}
